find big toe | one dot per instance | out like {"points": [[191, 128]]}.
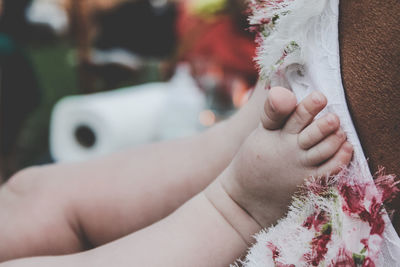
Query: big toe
{"points": [[279, 105]]}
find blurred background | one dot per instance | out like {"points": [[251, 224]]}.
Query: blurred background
{"points": [[84, 78]]}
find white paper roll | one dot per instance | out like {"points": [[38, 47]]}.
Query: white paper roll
{"points": [[88, 126]]}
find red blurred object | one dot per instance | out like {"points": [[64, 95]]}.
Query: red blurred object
{"points": [[216, 46]]}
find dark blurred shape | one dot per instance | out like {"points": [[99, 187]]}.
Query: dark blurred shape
{"points": [[85, 136], [13, 21], [117, 43], [20, 95], [140, 28]]}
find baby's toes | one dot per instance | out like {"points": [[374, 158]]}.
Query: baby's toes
{"points": [[305, 112], [318, 130], [279, 105], [326, 149], [341, 159]]}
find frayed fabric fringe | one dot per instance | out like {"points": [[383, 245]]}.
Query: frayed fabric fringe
{"points": [[280, 41], [332, 222], [336, 221]]}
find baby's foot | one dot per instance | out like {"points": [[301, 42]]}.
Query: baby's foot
{"points": [[288, 147]]}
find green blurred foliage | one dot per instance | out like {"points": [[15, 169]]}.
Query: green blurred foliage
{"points": [[56, 72]]}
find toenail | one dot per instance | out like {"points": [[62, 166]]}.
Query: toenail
{"points": [[317, 97], [348, 147], [340, 134], [331, 119]]}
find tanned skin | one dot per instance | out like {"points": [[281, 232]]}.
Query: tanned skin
{"points": [[370, 58]]}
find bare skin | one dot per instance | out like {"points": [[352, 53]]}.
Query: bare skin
{"points": [[370, 58], [73, 207], [379, 79], [216, 226], [304, 147]]}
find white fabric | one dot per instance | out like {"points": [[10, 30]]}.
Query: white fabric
{"points": [[322, 72], [317, 67]]}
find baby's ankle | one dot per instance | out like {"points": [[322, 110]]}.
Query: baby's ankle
{"points": [[236, 216], [264, 207]]}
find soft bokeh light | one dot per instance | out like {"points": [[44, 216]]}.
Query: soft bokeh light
{"points": [[207, 118]]}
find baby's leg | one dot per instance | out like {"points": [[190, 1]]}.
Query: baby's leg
{"points": [[72, 207], [194, 235], [215, 227]]}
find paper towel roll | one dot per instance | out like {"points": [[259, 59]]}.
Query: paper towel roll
{"points": [[83, 127]]}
